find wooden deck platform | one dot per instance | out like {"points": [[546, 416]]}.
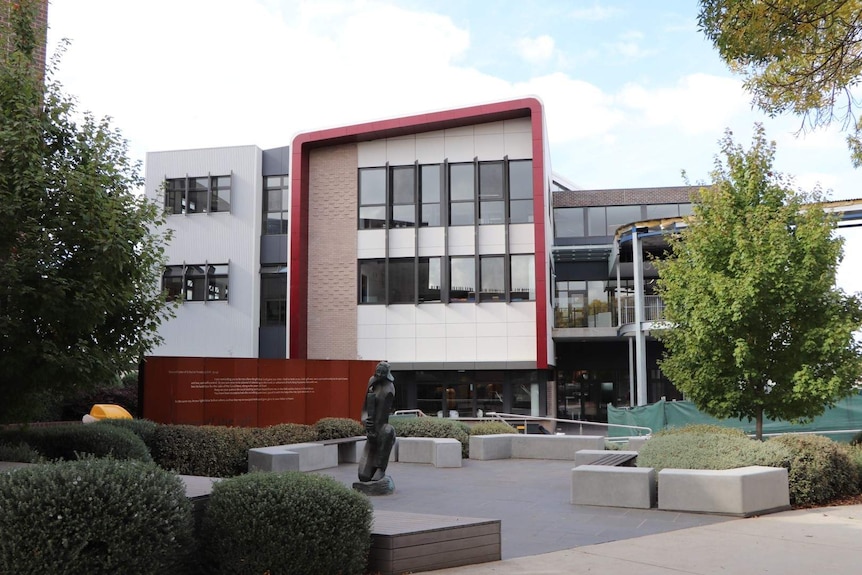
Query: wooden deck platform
{"points": [[413, 542]]}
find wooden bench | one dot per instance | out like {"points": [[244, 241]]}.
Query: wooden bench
{"points": [[413, 542]]}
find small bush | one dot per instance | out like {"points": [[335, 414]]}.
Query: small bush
{"points": [[857, 439], [206, 450], [67, 442], [282, 434], [709, 450], [492, 428], [820, 469], [337, 428], [611, 446], [20, 452], [93, 516], [143, 428], [435, 427], [285, 523], [854, 452], [703, 428]]}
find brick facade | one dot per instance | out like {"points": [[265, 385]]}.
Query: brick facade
{"points": [[332, 217], [6, 7], [625, 197]]}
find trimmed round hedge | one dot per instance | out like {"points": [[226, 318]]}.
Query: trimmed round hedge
{"points": [[337, 428], [68, 442], [94, 516], [284, 523], [820, 469]]}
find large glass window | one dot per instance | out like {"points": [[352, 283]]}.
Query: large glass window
{"points": [[491, 277], [621, 215], [569, 222], [403, 197], [523, 277], [662, 211], [597, 225], [273, 296], [172, 282], [521, 191], [372, 281], [461, 195], [491, 197], [200, 282], [175, 190], [372, 198], [429, 191], [402, 280], [462, 279], [220, 194], [276, 204], [195, 283], [197, 195], [217, 283], [430, 279]]}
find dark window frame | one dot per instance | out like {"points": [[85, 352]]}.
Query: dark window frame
{"points": [[179, 194]]}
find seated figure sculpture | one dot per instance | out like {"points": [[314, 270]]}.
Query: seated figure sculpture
{"points": [[380, 436]]}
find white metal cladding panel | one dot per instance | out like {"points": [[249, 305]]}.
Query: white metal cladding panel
{"points": [[430, 149], [462, 240], [371, 244], [430, 349], [373, 349], [401, 151], [371, 154], [400, 314], [492, 239], [522, 239], [492, 349], [371, 315], [431, 241], [232, 237], [402, 243]]}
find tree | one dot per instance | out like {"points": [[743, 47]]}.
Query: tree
{"points": [[758, 326], [78, 303], [803, 56]]}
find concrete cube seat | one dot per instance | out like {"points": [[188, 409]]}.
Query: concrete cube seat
{"points": [[528, 446], [610, 486], [743, 491], [438, 451], [590, 456], [293, 457]]}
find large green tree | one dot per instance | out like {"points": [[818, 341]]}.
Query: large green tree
{"points": [[802, 56], [758, 326], [78, 255]]}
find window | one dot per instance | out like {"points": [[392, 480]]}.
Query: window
{"points": [[521, 191], [491, 278], [462, 211], [430, 279], [372, 198], [462, 279], [429, 191], [402, 280], [276, 204], [523, 278], [197, 195], [492, 208], [621, 215], [372, 281], [273, 296], [596, 222], [568, 222], [199, 282], [403, 197], [657, 211]]}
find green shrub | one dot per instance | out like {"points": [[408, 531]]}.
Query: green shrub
{"points": [[820, 469], [492, 428], [854, 452], [206, 450], [337, 428], [703, 428], [282, 434], [19, 452], [434, 427], [93, 516], [143, 428], [67, 442], [611, 446], [285, 523], [857, 439], [709, 450]]}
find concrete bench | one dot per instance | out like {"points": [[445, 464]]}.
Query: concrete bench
{"points": [[349, 448], [743, 491], [609, 486], [517, 446], [605, 457], [438, 451], [293, 457]]}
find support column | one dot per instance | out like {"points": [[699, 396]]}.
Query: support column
{"points": [[640, 337]]}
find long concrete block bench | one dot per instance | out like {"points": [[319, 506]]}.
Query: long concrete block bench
{"points": [[438, 451], [293, 457], [609, 486], [518, 446], [591, 456], [743, 491]]}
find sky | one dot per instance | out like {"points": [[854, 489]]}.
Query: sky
{"points": [[634, 95]]}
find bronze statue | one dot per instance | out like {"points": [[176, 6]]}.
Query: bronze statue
{"points": [[380, 436]]}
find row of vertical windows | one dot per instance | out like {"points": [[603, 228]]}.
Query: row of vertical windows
{"points": [[276, 204], [203, 282], [603, 221], [426, 279], [197, 195], [273, 296], [446, 194]]}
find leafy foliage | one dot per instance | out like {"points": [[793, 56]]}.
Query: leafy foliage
{"points": [[143, 428], [206, 450], [758, 326], [802, 56], [19, 452], [434, 427], [77, 255], [492, 428], [820, 469], [282, 434], [69, 441], [285, 523], [93, 516], [337, 428]]}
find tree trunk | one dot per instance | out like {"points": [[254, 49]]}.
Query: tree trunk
{"points": [[758, 429]]}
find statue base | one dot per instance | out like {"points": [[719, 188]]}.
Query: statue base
{"points": [[384, 486]]}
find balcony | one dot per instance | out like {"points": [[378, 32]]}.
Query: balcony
{"points": [[653, 309], [606, 315]]}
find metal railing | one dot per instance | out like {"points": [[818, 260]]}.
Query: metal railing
{"points": [[653, 309], [509, 418]]}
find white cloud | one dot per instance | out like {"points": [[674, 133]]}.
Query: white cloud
{"points": [[536, 50]]}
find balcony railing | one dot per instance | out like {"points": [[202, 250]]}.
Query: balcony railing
{"points": [[653, 309], [606, 315]]}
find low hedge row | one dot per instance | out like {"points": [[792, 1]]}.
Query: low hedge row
{"points": [[68, 442], [492, 428], [435, 427]]}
